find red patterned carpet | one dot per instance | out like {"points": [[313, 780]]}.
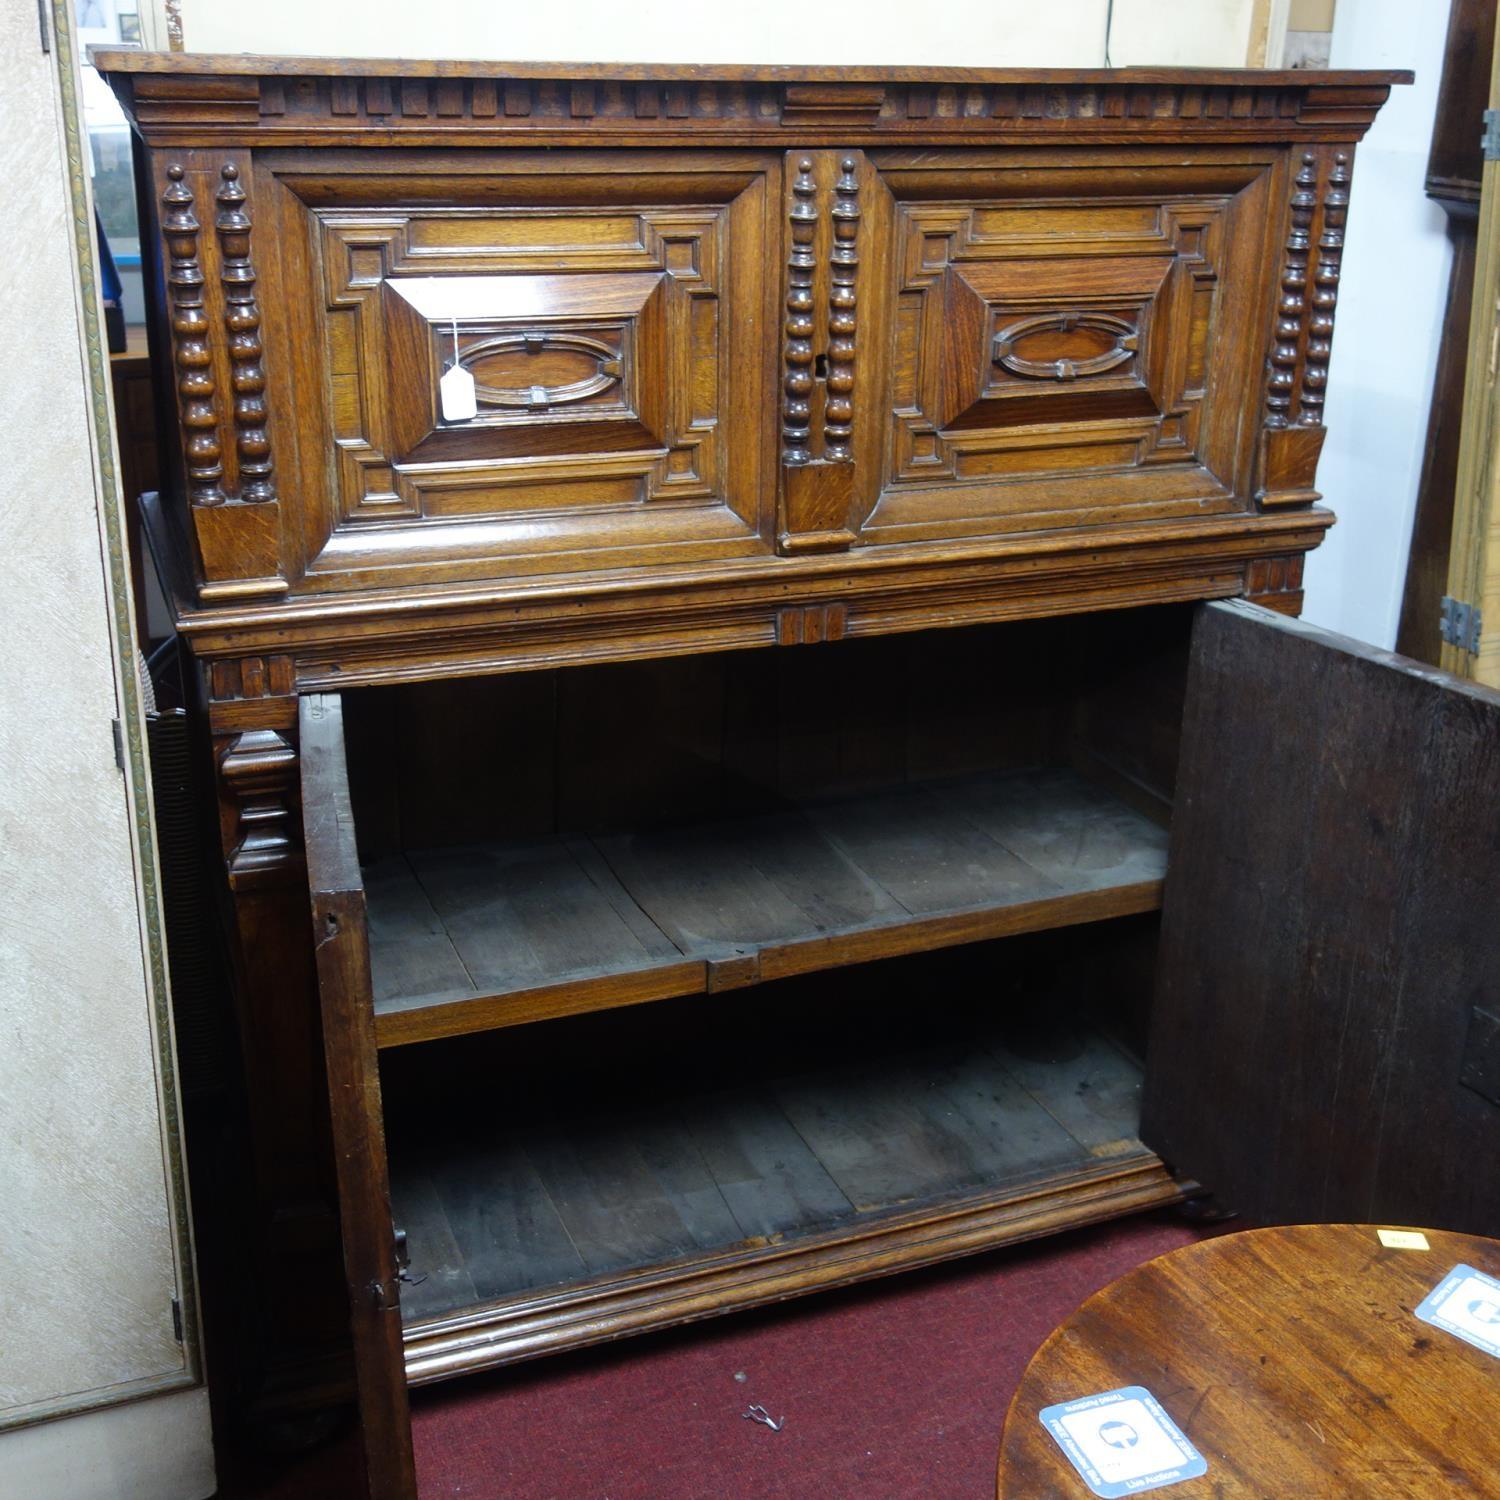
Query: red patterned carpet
{"points": [[892, 1391]]}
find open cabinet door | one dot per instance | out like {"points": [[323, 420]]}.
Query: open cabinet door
{"points": [[1325, 1041], [371, 1265]]}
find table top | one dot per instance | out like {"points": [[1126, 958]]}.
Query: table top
{"points": [[1293, 1361]]}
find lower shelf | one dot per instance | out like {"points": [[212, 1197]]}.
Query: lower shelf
{"points": [[502, 1333], [544, 1227]]}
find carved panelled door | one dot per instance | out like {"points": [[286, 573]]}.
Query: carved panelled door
{"points": [[611, 311], [1325, 1037], [985, 342]]}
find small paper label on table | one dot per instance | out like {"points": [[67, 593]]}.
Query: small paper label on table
{"points": [[1123, 1442], [1403, 1239], [1466, 1303]]}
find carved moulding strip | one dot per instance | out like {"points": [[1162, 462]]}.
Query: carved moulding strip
{"points": [[524, 100], [195, 381], [838, 411], [796, 411], [242, 319]]}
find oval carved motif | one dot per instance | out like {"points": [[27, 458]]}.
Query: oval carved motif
{"points": [[535, 395], [1064, 346]]}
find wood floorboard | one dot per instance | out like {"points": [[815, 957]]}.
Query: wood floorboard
{"points": [[528, 914], [500, 1216], [1010, 1130], [889, 1134], [732, 886], [439, 1272], [930, 857], [770, 1178], [1067, 828], [1087, 1085], [672, 1150], [410, 949], [617, 1214]]}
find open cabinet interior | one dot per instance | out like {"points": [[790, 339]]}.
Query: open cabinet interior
{"points": [[895, 902]]}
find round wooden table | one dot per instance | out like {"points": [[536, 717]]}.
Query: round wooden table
{"points": [[1291, 1359]]}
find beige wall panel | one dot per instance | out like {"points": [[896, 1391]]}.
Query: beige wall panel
{"points": [[992, 33], [89, 1237], [156, 1449]]}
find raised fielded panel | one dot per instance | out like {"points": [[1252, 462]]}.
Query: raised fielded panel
{"points": [[606, 307], [1075, 337]]}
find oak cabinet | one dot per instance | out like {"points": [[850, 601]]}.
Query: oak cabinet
{"points": [[630, 963]]}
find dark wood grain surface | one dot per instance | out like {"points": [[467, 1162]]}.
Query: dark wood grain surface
{"points": [[1330, 948], [1455, 162], [1291, 1359]]}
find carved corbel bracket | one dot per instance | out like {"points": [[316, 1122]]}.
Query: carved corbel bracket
{"points": [[230, 472], [808, 624], [1276, 583], [1302, 340], [253, 717]]}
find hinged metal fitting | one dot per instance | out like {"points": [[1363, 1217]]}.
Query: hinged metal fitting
{"points": [[1460, 624]]}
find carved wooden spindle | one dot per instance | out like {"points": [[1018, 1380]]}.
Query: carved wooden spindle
{"points": [[796, 412], [838, 413], [1325, 292], [1293, 305], [195, 381], [242, 319]]}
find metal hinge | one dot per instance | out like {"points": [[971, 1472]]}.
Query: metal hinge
{"points": [[176, 1320], [1490, 140], [118, 731], [1460, 624]]}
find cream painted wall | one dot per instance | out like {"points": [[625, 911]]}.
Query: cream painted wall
{"points": [[91, 1234], [993, 33], [1385, 342]]}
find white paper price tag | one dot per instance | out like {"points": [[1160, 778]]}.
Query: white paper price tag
{"points": [[456, 394], [1403, 1239]]}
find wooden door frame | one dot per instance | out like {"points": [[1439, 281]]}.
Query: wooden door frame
{"points": [[1474, 559], [340, 936]]}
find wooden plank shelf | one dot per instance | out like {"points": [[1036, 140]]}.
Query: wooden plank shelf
{"points": [[474, 938], [648, 1202]]}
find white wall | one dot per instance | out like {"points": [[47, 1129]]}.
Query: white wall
{"points": [[990, 33], [1389, 323]]}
